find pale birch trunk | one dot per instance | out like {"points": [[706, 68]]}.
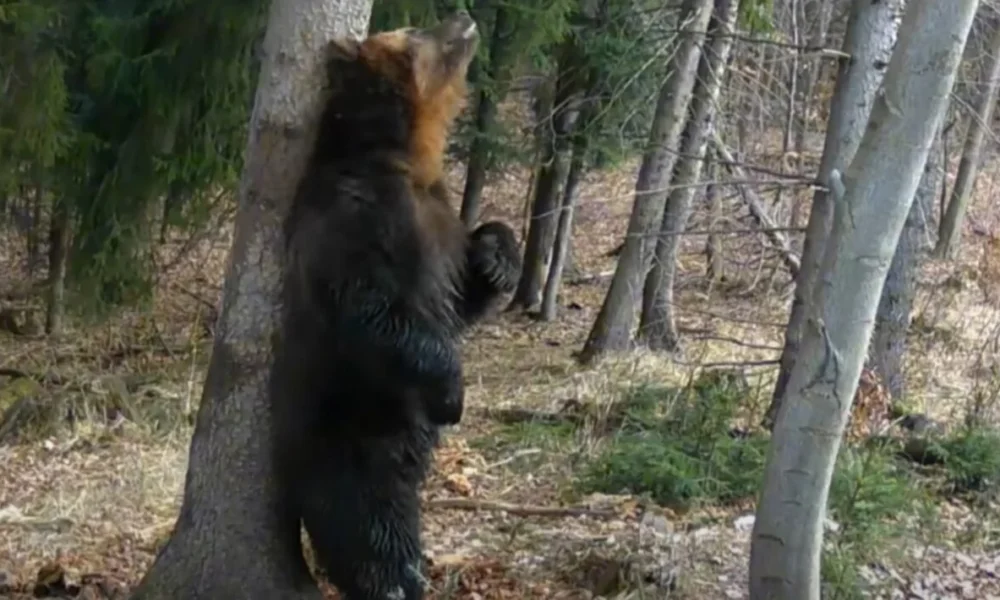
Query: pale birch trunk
{"points": [[871, 205], [871, 33]]}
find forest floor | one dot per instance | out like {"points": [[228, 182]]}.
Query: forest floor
{"points": [[99, 496]]}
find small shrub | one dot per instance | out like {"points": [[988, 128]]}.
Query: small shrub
{"points": [[972, 460], [677, 447], [675, 472], [873, 499]]}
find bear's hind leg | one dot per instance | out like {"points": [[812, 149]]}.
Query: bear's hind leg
{"points": [[366, 536]]}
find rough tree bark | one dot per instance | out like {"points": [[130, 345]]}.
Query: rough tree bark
{"points": [[486, 115], [892, 321], [228, 541], [871, 33], [657, 323], [871, 205], [612, 330], [551, 176], [950, 229], [58, 253]]}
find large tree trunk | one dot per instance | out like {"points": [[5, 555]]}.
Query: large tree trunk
{"points": [[486, 115], [657, 326], [871, 205], [612, 330], [892, 321], [229, 540], [58, 253], [950, 230], [551, 176], [871, 32]]}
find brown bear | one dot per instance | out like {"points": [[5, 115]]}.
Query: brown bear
{"points": [[381, 278]]}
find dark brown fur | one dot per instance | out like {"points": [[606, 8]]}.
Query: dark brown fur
{"points": [[381, 279]]}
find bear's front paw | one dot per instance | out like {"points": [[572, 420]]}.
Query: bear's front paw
{"points": [[495, 256], [445, 403]]}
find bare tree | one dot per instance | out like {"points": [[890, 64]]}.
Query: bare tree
{"points": [[33, 232], [58, 254], [564, 231], [486, 115], [657, 326], [232, 539], [715, 263], [612, 329], [805, 84], [892, 321], [871, 204], [871, 33], [556, 146], [950, 229]]}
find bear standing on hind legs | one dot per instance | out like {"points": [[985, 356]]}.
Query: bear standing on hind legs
{"points": [[380, 280]]}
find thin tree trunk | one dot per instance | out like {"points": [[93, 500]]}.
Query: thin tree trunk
{"points": [[715, 261], [758, 209], [58, 253], [612, 330], [892, 321], [32, 232], [165, 219], [791, 102], [807, 87], [871, 204], [564, 231], [232, 539], [486, 115], [551, 176], [657, 323], [871, 32], [950, 231], [172, 202]]}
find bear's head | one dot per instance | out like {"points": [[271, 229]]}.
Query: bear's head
{"points": [[400, 91]]}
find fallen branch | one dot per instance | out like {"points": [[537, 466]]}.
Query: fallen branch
{"points": [[516, 416], [738, 342], [588, 279], [11, 515], [519, 510], [42, 378], [757, 211], [739, 363]]}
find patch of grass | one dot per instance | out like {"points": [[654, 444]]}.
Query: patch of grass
{"points": [[677, 447], [544, 435], [548, 437], [676, 472]]}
